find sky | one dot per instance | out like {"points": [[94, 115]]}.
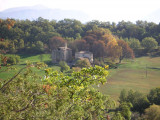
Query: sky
{"points": [[103, 10]]}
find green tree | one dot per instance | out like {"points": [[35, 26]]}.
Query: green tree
{"points": [[149, 43], [138, 100], [134, 43], [125, 110], [123, 96], [59, 96], [39, 46], [154, 96], [21, 43], [118, 116]]}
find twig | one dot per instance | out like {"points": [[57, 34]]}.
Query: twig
{"points": [[13, 77], [24, 107]]}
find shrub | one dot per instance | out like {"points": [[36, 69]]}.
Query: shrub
{"points": [[64, 66], [99, 62], [152, 113], [83, 63], [76, 69], [13, 59]]}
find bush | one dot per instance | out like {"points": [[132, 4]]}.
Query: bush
{"points": [[99, 62], [64, 66], [13, 59], [76, 69], [83, 63], [152, 113]]}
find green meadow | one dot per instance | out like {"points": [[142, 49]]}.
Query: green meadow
{"points": [[141, 74], [46, 58]]}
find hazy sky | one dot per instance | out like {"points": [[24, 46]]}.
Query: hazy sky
{"points": [[103, 10]]}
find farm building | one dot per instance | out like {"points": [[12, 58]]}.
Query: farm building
{"points": [[84, 54], [62, 54]]}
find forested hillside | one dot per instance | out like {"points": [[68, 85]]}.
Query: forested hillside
{"points": [[26, 33]]}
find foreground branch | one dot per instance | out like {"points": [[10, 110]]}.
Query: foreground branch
{"points": [[13, 77]]}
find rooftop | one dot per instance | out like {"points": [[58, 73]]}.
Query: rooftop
{"points": [[84, 52]]}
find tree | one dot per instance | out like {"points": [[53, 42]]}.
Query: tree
{"points": [[113, 50], [127, 52], [99, 49], [134, 43], [152, 113], [56, 42], [81, 45], [39, 46], [138, 100], [118, 116], [149, 43], [123, 96], [58, 96], [154, 96], [21, 43], [125, 110]]}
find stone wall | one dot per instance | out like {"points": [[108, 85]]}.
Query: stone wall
{"points": [[62, 54]]}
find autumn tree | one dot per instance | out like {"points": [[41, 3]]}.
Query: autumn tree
{"points": [[152, 113], [56, 42], [90, 39], [127, 52], [113, 50], [4, 45], [81, 45], [99, 49]]}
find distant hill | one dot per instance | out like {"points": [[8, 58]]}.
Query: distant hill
{"points": [[32, 13]]}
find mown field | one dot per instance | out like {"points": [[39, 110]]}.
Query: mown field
{"points": [[140, 74]]}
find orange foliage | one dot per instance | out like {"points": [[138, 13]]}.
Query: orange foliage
{"points": [[127, 52], [81, 45], [47, 88], [56, 42], [4, 60], [108, 37], [113, 50]]}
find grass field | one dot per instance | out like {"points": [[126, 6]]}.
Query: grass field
{"points": [[141, 74], [31, 58]]}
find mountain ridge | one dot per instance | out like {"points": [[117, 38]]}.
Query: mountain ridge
{"points": [[34, 12]]}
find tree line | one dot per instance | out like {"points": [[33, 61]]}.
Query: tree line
{"points": [[101, 38]]}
